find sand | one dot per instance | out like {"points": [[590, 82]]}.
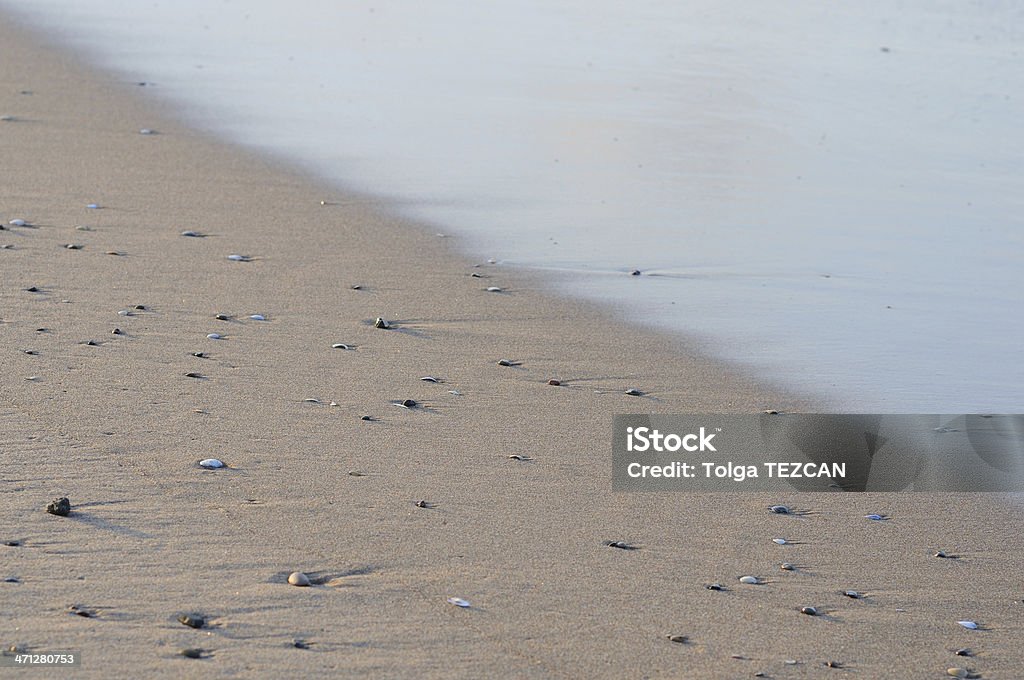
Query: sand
{"points": [[118, 428]]}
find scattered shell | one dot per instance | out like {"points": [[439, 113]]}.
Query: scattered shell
{"points": [[875, 517], [969, 625], [192, 653], [635, 272], [195, 375], [750, 580], [211, 463], [780, 541], [59, 506], [554, 382], [957, 672], [507, 362], [222, 317], [32, 378], [964, 652], [73, 246], [93, 206], [192, 620], [455, 392], [116, 331], [781, 509], [715, 586], [17, 223], [458, 602], [852, 594], [944, 554], [422, 504], [408, 403], [430, 379], [333, 403], [786, 566], [32, 289], [620, 545], [193, 234], [147, 131], [634, 392], [215, 336], [312, 400], [299, 643], [493, 289], [201, 355], [297, 578], [381, 323], [341, 345], [238, 258], [82, 227], [516, 456], [125, 312], [810, 611], [357, 287], [257, 317], [680, 639], [366, 418]]}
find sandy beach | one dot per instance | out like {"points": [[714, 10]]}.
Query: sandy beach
{"points": [[118, 422]]}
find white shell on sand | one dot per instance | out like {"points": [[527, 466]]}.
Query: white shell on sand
{"points": [[749, 580], [780, 509], [969, 625], [17, 223], [874, 517], [340, 345], [236, 258], [958, 673], [297, 578], [125, 312], [257, 317], [193, 234], [493, 289], [211, 463], [215, 336], [458, 602], [145, 131], [93, 206], [779, 541]]}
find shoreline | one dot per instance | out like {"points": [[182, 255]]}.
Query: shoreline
{"points": [[118, 426]]}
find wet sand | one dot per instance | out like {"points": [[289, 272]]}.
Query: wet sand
{"points": [[118, 427]]}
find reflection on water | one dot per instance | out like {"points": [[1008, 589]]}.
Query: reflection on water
{"points": [[830, 195]]}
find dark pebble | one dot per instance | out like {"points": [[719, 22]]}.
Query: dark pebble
{"points": [[117, 331], [716, 587], [810, 611], [506, 362], [635, 272], [634, 393], [195, 375], [32, 289], [964, 652], [59, 506], [367, 418], [410, 403], [12, 544], [300, 644], [222, 317], [680, 639], [192, 620], [192, 653], [620, 545], [555, 383]]}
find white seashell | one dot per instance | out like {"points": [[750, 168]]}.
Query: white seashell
{"points": [[7, 119], [215, 336], [455, 392], [340, 345], [969, 625], [82, 227], [17, 223], [779, 541], [193, 234], [780, 509], [312, 400], [93, 206], [211, 463], [145, 131], [430, 379], [493, 289], [458, 602], [333, 403], [237, 258], [749, 580], [257, 317], [874, 517], [125, 312], [958, 673], [492, 261], [297, 578]]}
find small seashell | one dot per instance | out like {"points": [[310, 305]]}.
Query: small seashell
{"points": [[621, 545], [257, 317], [192, 620], [635, 272], [366, 418], [312, 400], [680, 639], [17, 223], [193, 234], [852, 594], [298, 643], [554, 382], [73, 246], [492, 261], [222, 317], [634, 392], [341, 345], [493, 289], [786, 566], [781, 509], [957, 672], [875, 517], [93, 206], [59, 506], [507, 362], [715, 586], [357, 287], [30, 352], [409, 403], [82, 227], [238, 258], [455, 392], [297, 578], [200, 355], [125, 312], [32, 378], [147, 131], [750, 580], [779, 541], [458, 602], [333, 403], [192, 653], [833, 664], [215, 336], [381, 323], [211, 463], [810, 611], [964, 652], [117, 331], [943, 554], [969, 625], [422, 504], [430, 379], [516, 456], [195, 375]]}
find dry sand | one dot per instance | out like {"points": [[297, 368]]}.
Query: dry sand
{"points": [[118, 428]]}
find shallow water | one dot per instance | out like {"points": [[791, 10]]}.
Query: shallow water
{"points": [[830, 196]]}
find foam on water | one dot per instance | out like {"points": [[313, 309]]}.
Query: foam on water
{"points": [[831, 196]]}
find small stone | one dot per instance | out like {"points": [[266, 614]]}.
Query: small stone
{"points": [[852, 594], [59, 506], [964, 652], [833, 664], [750, 580], [810, 611], [357, 287], [875, 517], [943, 554], [222, 317], [74, 246], [200, 376], [366, 418], [90, 343], [18, 223], [786, 566], [32, 289], [635, 272], [718, 587], [200, 355], [147, 131], [238, 258], [409, 403], [957, 672], [634, 392], [193, 234], [381, 323], [507, 362], [516, 456], [125, 312], [430, 379], [82, 227], [257, 317], [116, 331], [422, 504], [555, 383], [192, 653], [192, 620], [297, 578], [780, 541], [211, 463], [493, 289], [78, 610], [621, 545], [215, 336], [679, 639], [781, 509], [299, 643], [93, 206]]}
